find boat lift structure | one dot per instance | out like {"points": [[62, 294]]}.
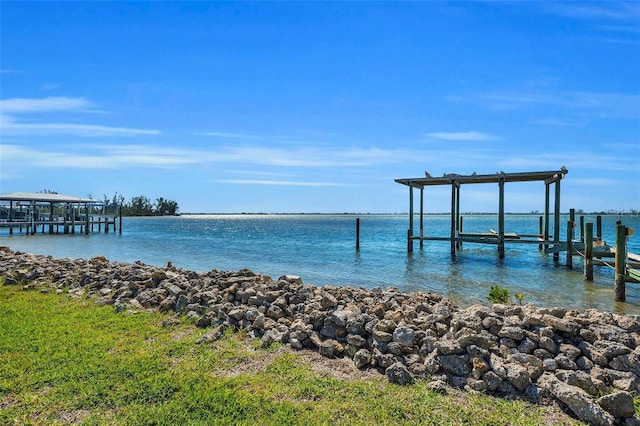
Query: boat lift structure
{"points": [[498, 237]]}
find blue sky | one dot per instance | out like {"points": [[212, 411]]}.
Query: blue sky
{"points": [[319, 106]]}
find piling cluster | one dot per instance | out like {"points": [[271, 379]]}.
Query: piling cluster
{"points": [[589, 360]]}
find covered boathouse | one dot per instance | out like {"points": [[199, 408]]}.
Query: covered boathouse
{"points": [[544, 238], [57, 213]]}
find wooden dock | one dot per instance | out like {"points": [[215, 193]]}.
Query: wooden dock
{"points": [[57, 214]]}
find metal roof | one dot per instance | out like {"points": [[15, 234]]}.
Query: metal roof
{"points": [[448, 179], [46, 198]]}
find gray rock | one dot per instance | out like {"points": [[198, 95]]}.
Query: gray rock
{"points": [[619, 404], [458, 365], [492, 380], [398, 373], [549, 364], [404, 336], [362, 358], [439, 386], [561, 324], [577, 400], [211, 336], [513, 333], [518, 376], [449, 347]]}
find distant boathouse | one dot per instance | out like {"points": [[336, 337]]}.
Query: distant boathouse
{"points": [[33, 212]]}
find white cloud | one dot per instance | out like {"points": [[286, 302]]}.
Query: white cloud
{"points": [[462, 136], [26, 105], [9, 125], [122, 156], [596, 104]]}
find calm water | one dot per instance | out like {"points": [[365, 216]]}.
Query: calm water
{"points": [[321, 249]]}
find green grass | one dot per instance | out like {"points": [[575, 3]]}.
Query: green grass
{"points": [[64, 361]]}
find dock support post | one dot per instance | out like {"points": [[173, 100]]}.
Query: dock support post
{"points": [[421, 217], [11, 217], [453, 218], [581, 229], [120, 214], [540, 232], [599, 228], [619, 289], [458, 186], [66, 218], [501, 219], [588, 252], [570, 225], [50, 218], [556, 224], [86, 219], [460, 230], [357, 233], [410, 230], [73, 218], [546, 215]]}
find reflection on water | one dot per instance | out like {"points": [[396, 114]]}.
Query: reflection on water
{"points": [[321, 249]]}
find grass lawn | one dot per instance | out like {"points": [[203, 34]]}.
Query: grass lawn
{"points": [[70, 361]]}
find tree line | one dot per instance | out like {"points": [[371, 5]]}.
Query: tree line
{"points": [[141, 205]]}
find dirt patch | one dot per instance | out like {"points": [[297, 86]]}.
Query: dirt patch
{"points": [[338, 368], [72, 417]]}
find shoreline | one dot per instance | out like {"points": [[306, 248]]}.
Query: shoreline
{"points": [[588, 360]]}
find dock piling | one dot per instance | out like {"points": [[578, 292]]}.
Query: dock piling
{"points": [[570, 225], [588, 252], [357, 234], [619, 287]]}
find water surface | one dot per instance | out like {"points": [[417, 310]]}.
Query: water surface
{"points": [[321, 249]]}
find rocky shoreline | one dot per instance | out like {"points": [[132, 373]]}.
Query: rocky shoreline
{"points": [[589, 360]]}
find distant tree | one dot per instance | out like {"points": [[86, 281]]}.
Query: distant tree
{"points": [[47, 191], [165, 207], [118, 199], [140, 206]]}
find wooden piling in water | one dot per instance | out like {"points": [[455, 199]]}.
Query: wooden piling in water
{"points": [[619, 289], [540, 232], [599, 227], [582, 229], [570, 225], [357, 233], [588, 252]]}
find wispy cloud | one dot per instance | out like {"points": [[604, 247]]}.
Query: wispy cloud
{"points": [[595, 104], [462, 136], [10, 109], [123, 156], [279, 182], [101, 157], [11, 127], [26, 105]]}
